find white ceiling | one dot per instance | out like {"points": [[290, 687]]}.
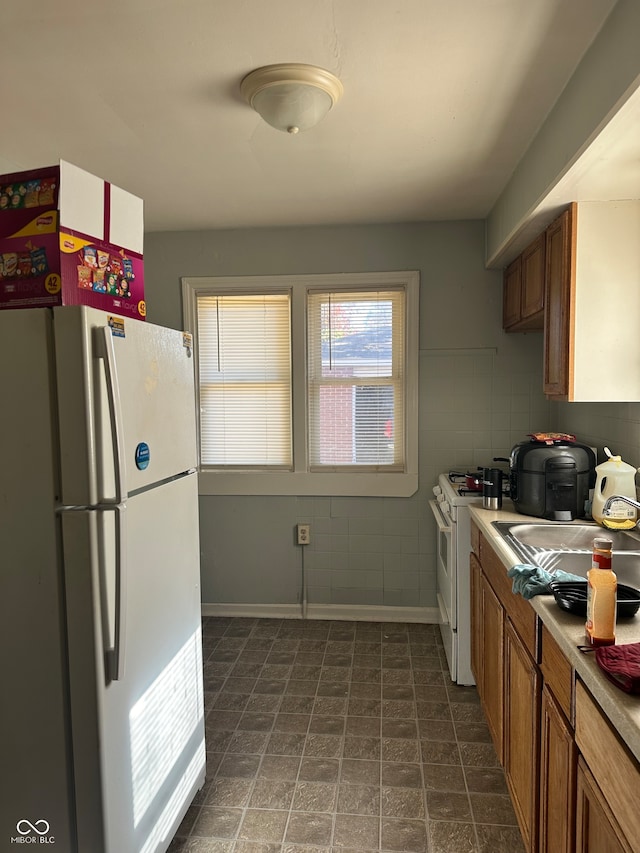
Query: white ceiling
{"points": [[441, 100]]}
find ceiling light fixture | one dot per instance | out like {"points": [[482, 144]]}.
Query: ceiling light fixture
{"points": [[291, 96]]}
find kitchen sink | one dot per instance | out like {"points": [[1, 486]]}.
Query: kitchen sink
{"points": [[566, 537], [568, 547], [625, 564]]}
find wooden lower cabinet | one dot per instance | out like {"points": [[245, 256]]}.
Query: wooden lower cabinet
{"points": [[615, 772], [558, 757], [492, 664], [475, 582], [521, 734], [597, 830], [565, 783]]}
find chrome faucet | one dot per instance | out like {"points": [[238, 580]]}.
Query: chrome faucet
{"points": [[609, 501]]}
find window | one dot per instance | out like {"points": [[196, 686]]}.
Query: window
{"points": [[244, 349], [355, 358], [306, 385]]}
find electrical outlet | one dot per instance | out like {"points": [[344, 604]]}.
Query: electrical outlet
{"points": [[304, 534]]}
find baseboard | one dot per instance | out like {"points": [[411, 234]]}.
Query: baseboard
{"points": [[261, 611], [346, 612]]}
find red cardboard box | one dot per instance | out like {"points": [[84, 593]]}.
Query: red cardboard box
{"points": [[70, 238]]}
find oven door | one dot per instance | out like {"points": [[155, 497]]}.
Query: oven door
{"points": [[445, 563]]}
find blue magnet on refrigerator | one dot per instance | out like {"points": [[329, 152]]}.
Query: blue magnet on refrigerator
{"points": [[142, 456]]}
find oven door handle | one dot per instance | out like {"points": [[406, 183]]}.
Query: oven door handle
{"points": [[441, 520]]}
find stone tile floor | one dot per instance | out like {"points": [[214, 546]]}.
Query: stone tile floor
{"points": [[342, 737]]}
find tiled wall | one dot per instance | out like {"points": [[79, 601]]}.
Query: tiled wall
{"points": [[612, 425], [475, 404], [367, 551]]}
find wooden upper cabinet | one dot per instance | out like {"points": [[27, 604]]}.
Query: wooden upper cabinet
{"points": [[559, 305], [523, 290], [592, 303], [533, 261], [580, 281], [512, 294]]}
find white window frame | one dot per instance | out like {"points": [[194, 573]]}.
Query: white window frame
{"points": [[300, 480]]}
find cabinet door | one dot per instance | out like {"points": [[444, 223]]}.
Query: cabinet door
{"points": [[492, 663], [533, 271], [559, 296], [512, 294], [521, 734], [476, 621], [615, 770], [596, 828], [557, 778]]}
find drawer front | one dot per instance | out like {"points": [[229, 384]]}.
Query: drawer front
{"points": [[614, 769], [557, 672]]}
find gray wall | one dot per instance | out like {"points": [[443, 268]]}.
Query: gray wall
{"points": [[480, 392], [608, 73]]}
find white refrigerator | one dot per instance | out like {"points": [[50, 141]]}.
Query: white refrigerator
{"points": [[101, 712]]}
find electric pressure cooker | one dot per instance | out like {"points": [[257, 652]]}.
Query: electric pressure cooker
{"points": [[551, 480]]}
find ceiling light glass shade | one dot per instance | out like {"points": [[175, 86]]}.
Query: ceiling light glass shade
{"points": [[291, 97]]}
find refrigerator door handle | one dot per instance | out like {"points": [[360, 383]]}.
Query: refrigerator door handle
{"points": [[114, 655], [103, 341]]}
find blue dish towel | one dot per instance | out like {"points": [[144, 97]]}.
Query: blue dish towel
{"points": [[532, 580]]}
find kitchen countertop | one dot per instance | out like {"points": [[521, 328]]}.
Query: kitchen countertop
{"points": [[622, 709]]}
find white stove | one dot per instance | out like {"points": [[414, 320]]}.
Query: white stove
{"points": [[455, 491], [451, 511]]}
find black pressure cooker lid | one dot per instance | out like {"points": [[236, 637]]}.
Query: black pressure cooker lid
{"points": [[533, 456]]}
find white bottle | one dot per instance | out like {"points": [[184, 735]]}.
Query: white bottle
{"points": [[614, 477]]}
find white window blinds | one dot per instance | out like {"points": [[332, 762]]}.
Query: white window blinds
{"points": [[244, 349], [356, 379]]}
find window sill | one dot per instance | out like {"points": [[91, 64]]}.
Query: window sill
{"points": [[288, 483]]}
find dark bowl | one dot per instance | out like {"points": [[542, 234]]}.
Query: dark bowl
{"points": [[572, 597]]}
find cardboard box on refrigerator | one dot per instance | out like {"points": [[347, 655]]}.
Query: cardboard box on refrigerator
{"points": [[70, 238]]}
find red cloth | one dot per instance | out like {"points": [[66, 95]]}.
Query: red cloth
{"points": [[621, 665]]}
